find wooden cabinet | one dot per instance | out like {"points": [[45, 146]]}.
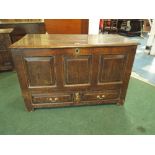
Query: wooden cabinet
{"points": [[22, 27], [5, 55], [70, 70]]}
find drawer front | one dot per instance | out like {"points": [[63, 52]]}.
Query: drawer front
{"points": [[51, 98], [99, 96]]}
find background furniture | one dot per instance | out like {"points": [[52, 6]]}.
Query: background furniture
{"points": [[128, 27], [108, 26], [5, 55], [72, 70], [66, 26], [22, 27]]}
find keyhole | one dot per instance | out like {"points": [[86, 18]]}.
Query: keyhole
{"points": [[77, 51]]}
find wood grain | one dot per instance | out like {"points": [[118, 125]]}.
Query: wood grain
{"points": [[56, 73], [66, 26]]}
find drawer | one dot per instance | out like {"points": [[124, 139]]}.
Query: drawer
{"points": [[52, 98], [100, 95]]}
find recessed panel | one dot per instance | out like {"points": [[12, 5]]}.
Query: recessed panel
{"points": [[111, 68], [40, 71], [77, 70]]}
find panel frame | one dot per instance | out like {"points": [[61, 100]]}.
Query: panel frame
{"points": [[104, 57], [53, 79], [65, 65]]}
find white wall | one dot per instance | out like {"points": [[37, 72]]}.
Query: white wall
{"points": [[93, 26]]}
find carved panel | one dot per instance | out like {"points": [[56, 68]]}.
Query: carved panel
{"points": [[40, 71], [111, 68], [77, 70]]}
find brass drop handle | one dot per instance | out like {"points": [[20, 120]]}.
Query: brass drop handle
{"points": [[56, 99], [53, 99], [100, 97]]}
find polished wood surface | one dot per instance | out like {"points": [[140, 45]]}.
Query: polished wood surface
{"points": [[6, 62], [66, 26], [56, 72], [66, 40]]}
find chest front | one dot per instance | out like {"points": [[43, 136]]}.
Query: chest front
{"points": [[74, 76]]}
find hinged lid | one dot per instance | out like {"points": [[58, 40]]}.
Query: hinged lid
{"points": [[67, 41]]}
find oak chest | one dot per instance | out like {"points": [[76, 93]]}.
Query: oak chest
{"points": [[72, 70]]}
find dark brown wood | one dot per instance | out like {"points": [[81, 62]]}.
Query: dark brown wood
{"points": [[71, 70], [66, 26], [23, 27], [6, 62], [43, 76]]}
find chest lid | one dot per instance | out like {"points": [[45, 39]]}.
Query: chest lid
{"points": [[69, 40]]}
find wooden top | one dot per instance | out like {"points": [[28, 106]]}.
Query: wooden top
{"points": [[66, 41], [9, 30]]}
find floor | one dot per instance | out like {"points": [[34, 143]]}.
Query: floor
{"points": [[144, 64], [136, 117]]}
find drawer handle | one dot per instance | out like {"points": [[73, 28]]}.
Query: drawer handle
{"points": [[53, 99], [50, 99], [56, 99], [100, 97]]}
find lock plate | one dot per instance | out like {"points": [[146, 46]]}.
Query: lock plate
{"points": [[77, 51], [77, 97]]}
